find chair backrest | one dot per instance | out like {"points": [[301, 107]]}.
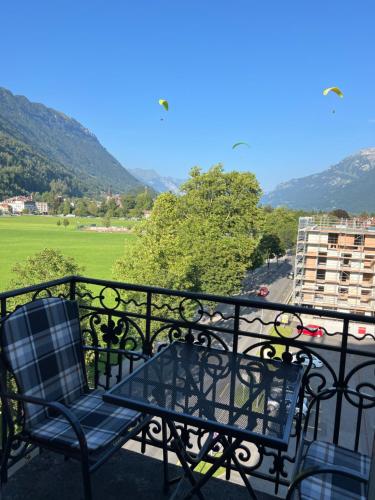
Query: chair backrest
{"points": [[42, 346]]}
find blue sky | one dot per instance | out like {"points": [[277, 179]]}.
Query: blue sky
{"points": [[238, 70]]}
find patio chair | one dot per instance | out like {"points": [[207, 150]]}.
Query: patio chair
{"points": [[331, 472], [42, 347]]}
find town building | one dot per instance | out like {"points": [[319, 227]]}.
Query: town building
{"points": [[20, 204], [41, 207], [335, 264], [5, 208]]}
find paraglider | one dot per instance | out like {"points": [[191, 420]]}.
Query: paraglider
{"points": [[240, 144], [164, 103], [336, 90]]}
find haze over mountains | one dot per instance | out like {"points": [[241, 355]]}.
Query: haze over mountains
{"points": [[158, 182], [39, 144], [350, 185]]}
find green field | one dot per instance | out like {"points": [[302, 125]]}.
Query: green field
{"points": [[25, 235]]}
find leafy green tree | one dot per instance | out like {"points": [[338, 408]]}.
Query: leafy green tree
{"points": [[283, 223], [48, 264], [202, 240], [144, 200], [80, 208], [106, 221], [270, 246], [66, 209], [65, 222], [92, 208], [128, 202], [58, 222]]}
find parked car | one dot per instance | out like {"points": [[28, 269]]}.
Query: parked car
{"points": [[316, 331], [263, 291], [291, 275], [305, 360], [305, 406]]}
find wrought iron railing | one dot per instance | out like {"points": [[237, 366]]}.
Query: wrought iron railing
{"points": [[122, 323]]}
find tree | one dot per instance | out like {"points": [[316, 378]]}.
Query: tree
{"points": [[81, 208], [58, 222], [144, 200], [340, 213], [270, 246], [92, 208], [48, 264], [200, 241], [106, 221], [65, 222], [66, 209], [281, 222], [128, 202]]}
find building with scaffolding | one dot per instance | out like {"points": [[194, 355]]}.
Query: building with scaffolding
{"points": [[335, 264]]}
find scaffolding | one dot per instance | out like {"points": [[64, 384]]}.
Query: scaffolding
{"points": [[334, 264]]}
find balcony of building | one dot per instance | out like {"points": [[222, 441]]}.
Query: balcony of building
{"points": [[141, 319]]}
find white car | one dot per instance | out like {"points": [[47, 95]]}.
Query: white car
{"points": [[305, 360], [305, 406]]}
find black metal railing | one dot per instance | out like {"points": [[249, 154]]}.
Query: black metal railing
{"points": [[119, 320]]}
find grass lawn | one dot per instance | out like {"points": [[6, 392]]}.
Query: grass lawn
{"points": [[23, 236], [286, 331]]}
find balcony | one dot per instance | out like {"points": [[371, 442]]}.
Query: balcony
{"points": [[142, 318]]}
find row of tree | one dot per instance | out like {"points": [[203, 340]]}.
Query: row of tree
{"points": [[126, 205]]}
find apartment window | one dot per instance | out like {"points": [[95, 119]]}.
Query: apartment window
{"points": [[367, 277], [320, 288], [358, 239], [322, 254], [320, 274], [343, 290], [346, 262], [365, 292], [347, 255], [322, 260], [370, 256], [344, 276], [333, 238]]}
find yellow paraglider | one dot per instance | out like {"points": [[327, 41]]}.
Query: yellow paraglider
{"points": [[164, 103], [240, 144], [336, 90]]}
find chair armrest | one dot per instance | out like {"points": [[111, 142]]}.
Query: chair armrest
{"points": [[59, 408], [332, 469]]}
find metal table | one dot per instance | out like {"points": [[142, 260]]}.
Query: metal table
{"points": [[234, 397]]}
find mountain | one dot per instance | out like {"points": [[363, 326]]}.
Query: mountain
{"points": [[158, 182], [350, 185], [40, 142]]}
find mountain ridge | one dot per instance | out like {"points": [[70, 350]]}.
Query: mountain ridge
{"points": [[63, 141], [348, 184]]}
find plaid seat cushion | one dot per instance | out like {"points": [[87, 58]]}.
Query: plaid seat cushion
{"points": [[42, 344], [334, 486], [101, 423]]}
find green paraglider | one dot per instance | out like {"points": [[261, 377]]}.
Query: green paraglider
{"points": [[240, 144], [164, 103]]}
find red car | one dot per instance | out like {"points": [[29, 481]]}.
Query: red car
{"points": [[317, 331], [263, 291]]}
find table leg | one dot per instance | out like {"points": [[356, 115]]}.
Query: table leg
{"points": [[165, 456], [240, 470], [179, 452], [215, 466]]}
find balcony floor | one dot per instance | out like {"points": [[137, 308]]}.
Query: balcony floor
{"points": [[127, 474]]}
